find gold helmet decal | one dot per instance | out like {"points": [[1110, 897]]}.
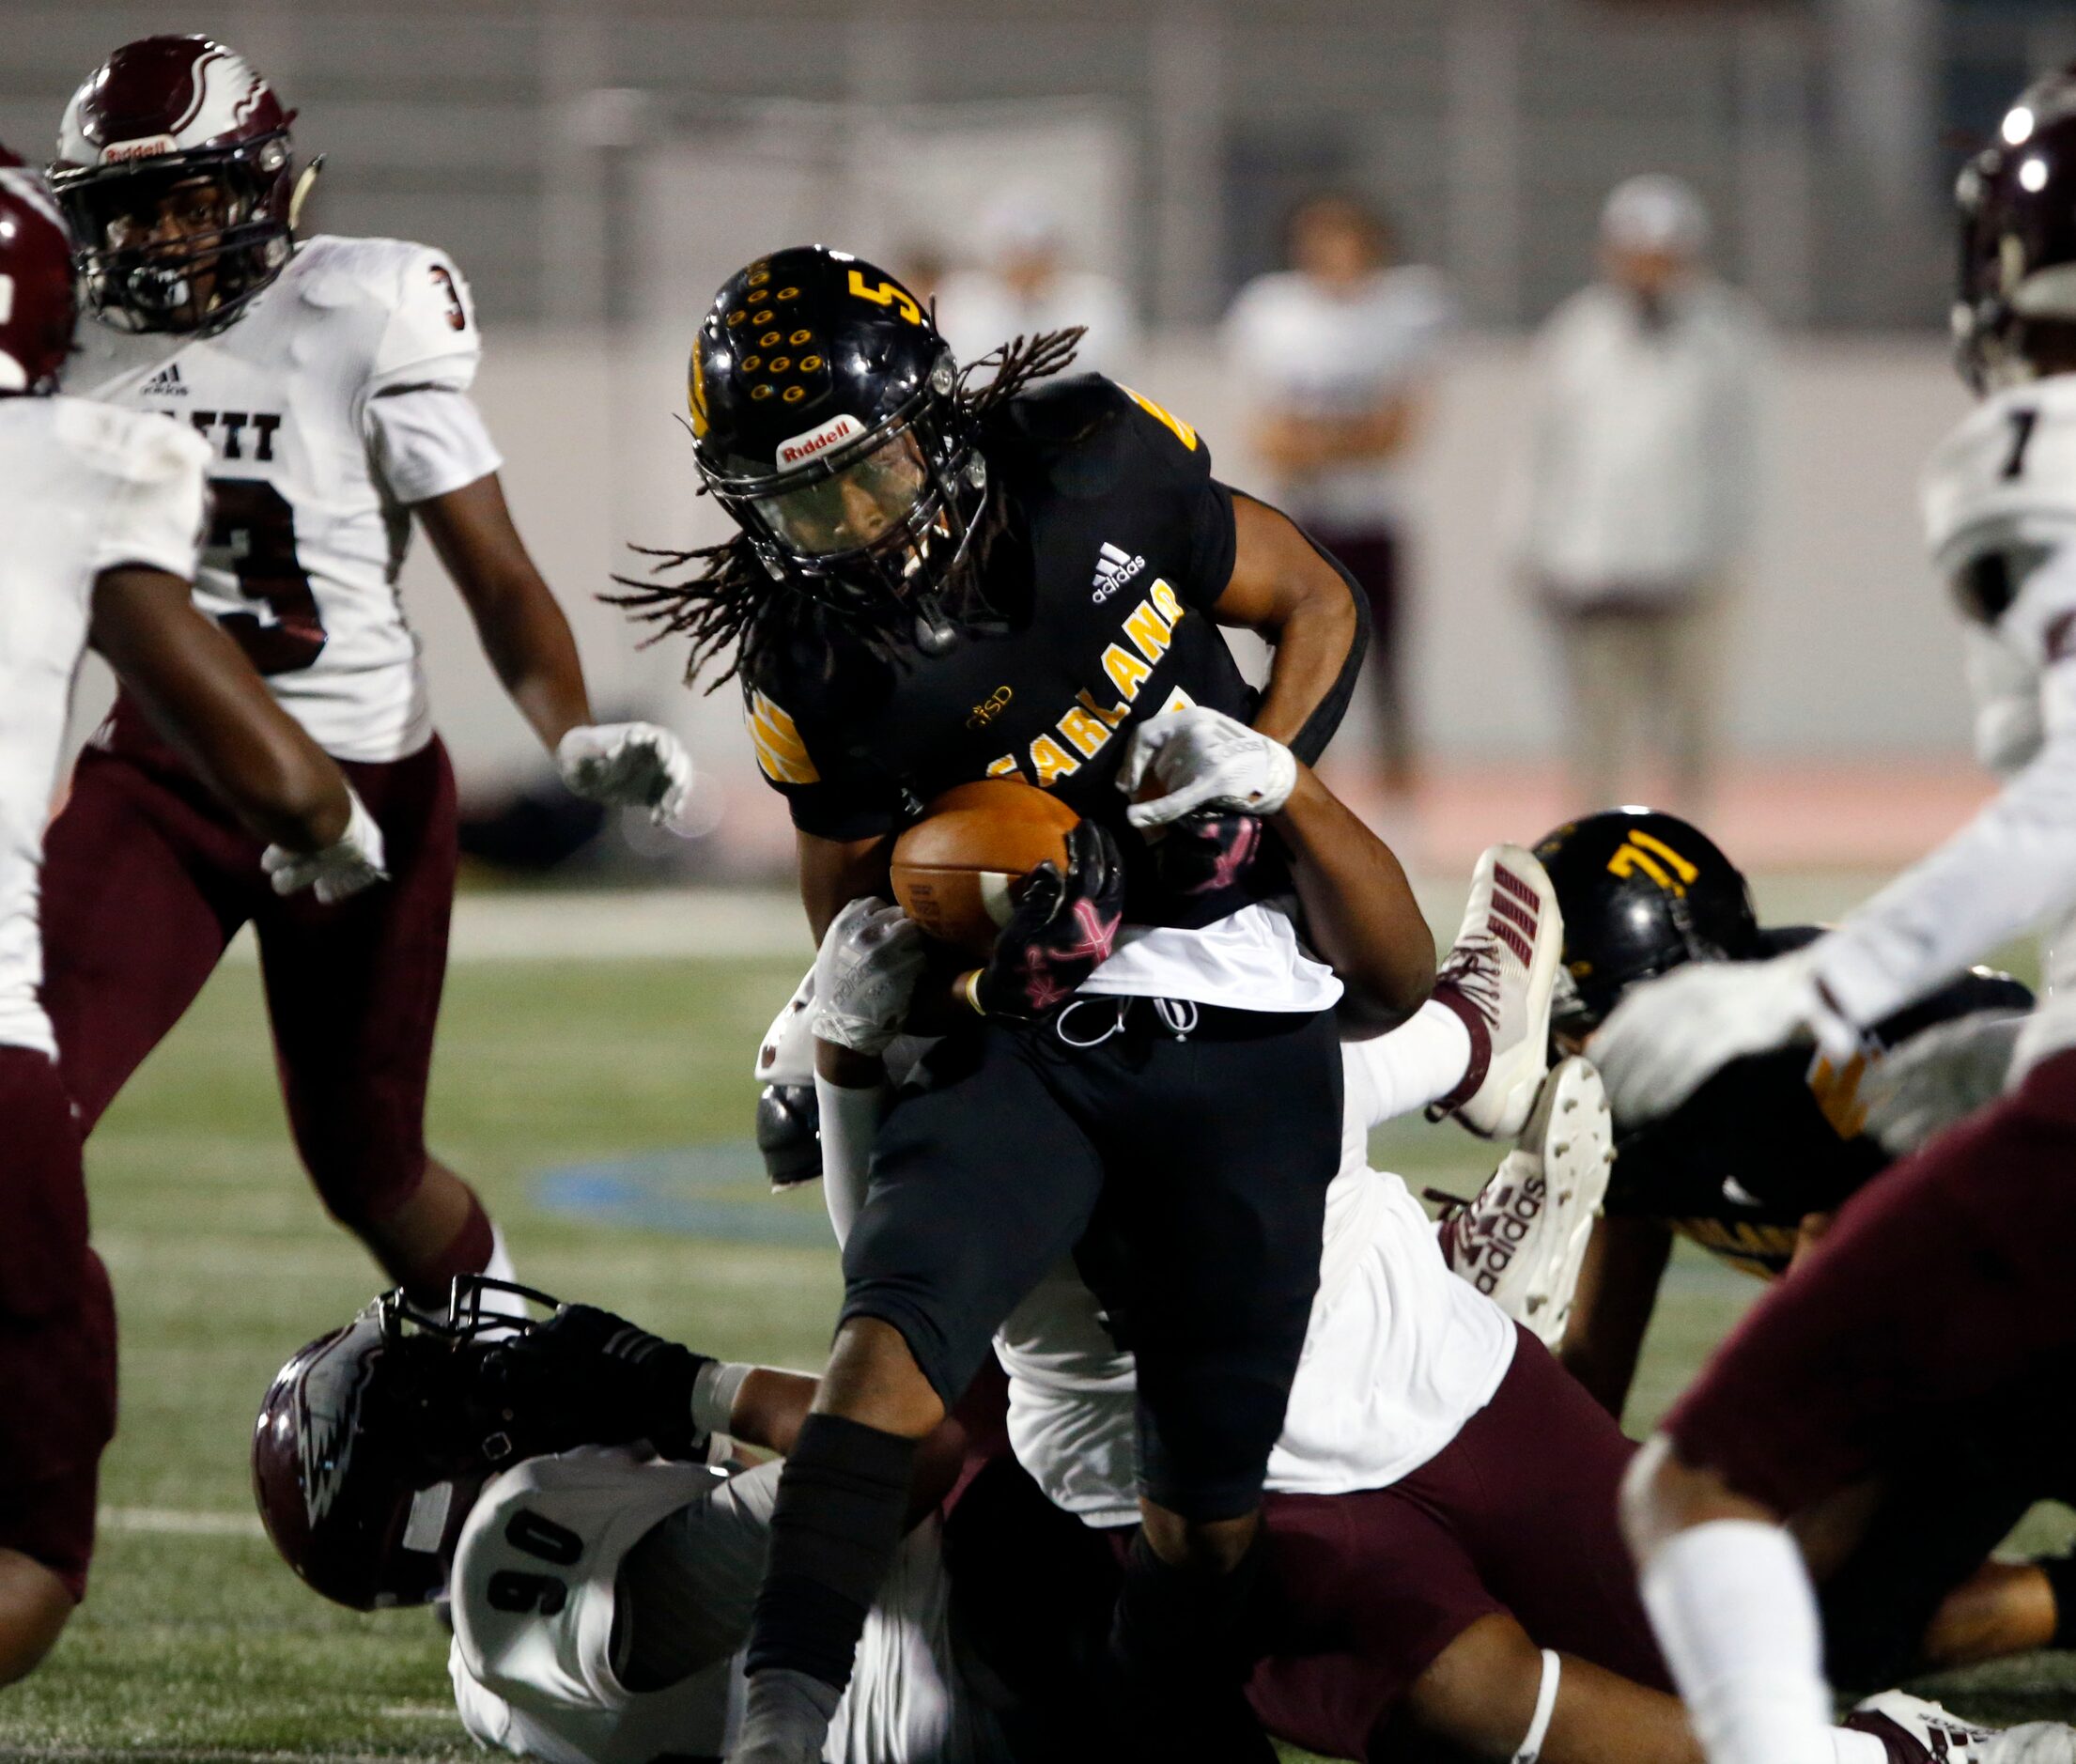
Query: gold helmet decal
{"points": [[1640, 851], [695, 393]]}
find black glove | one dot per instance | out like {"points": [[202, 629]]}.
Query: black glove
{"points": [[1205, 863], [588, 1378], [1062, 930]]}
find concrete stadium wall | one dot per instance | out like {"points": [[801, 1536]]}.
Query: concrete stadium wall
{"points": [[1844, 648], [1843, 655]]}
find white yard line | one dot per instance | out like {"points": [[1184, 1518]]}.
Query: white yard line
{"points": [[188, 1754], [600, 924], [166, 1522], [692, 924]]}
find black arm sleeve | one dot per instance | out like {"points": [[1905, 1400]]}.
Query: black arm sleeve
{"points": [[1324, 722]]}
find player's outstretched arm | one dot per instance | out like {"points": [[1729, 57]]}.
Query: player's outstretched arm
{"points": [[523, 632], [517, 616], [1357, 902], [202, 694], [1618, 1290]]}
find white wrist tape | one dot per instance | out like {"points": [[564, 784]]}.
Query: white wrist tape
{"points": [[1530, 1747]]}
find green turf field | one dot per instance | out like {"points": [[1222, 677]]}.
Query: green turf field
{"points": [[195, 1643]]}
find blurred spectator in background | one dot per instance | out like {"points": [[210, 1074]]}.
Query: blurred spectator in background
{"points": [[1643, 490], [921, 267], [1026, 285], [1334, 357]]}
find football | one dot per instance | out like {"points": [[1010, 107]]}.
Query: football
{"points": [[958, 871]]}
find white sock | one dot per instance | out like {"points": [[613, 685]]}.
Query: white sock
{"points": [[1421, 1060], [500, 1266], [1733, 1610], [850, 1120]]}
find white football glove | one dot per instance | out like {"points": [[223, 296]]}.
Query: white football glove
{"points": [[787, 1054], [1669, 1036], [349, 864], [636, 765], [865, 973], [1931, 1081], [1203, 759]]}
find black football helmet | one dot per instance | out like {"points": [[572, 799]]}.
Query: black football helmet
{"points": [[1640, 894], [175, 169], [374, 1441], [827, 420], [789, 1134], [2016, 209]]}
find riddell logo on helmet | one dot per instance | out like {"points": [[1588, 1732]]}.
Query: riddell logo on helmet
{"points": [[150, 148], [817, 441]]}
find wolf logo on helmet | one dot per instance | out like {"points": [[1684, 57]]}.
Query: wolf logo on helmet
{"points": [[368, 1435], [173, 166]]}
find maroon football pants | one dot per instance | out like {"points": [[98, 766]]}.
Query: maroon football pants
{"points": [[57, 1327], [1940, 1308], [1364, 1590], [147, 877]]}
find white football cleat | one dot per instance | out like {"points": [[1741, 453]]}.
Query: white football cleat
{"points": [[1498, 978], [1521, 1240], [1915, 1731]]}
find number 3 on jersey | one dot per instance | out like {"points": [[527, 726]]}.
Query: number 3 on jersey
{"points": [[252, 535]]}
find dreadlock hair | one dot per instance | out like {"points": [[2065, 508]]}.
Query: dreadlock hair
{"points": [[730, 602]]}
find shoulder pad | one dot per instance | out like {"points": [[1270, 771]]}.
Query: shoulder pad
{"points": [[420, 300], [1060, 412], [142, 447], [2005, 476]]}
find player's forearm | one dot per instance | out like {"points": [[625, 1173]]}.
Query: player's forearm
{"points": [[521, 627], [534, 654], [200, 692], [1618, 1290], [2008, 872], [1359, 905], [1317, 649], [770, 1405]]}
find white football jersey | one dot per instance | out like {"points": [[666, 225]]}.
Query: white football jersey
{"points": [[336, 401], [88, 488], [1999, 497], [533, 1659], [1398, 1355]]}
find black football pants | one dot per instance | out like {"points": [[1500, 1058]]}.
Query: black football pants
{"points": [[1186, 1172]]}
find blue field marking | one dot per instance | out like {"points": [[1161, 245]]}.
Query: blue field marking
{"points": [[713, 1191]]}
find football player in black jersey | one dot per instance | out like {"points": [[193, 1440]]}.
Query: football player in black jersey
{"points": [[933, 583], [1754, 1163]]}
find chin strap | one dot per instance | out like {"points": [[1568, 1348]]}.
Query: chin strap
{"points": [[305, 180], [1530, 1747]]}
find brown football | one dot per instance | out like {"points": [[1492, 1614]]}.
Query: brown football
{"points": [[958, 871]]}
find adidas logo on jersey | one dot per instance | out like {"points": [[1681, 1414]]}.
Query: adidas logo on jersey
{"points": [[1113, 570], [166, 384]]}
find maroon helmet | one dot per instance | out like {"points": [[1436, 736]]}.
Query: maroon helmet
{"points": [[174, 167], [375, 1440], [2017, 203], [37, 303]]}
